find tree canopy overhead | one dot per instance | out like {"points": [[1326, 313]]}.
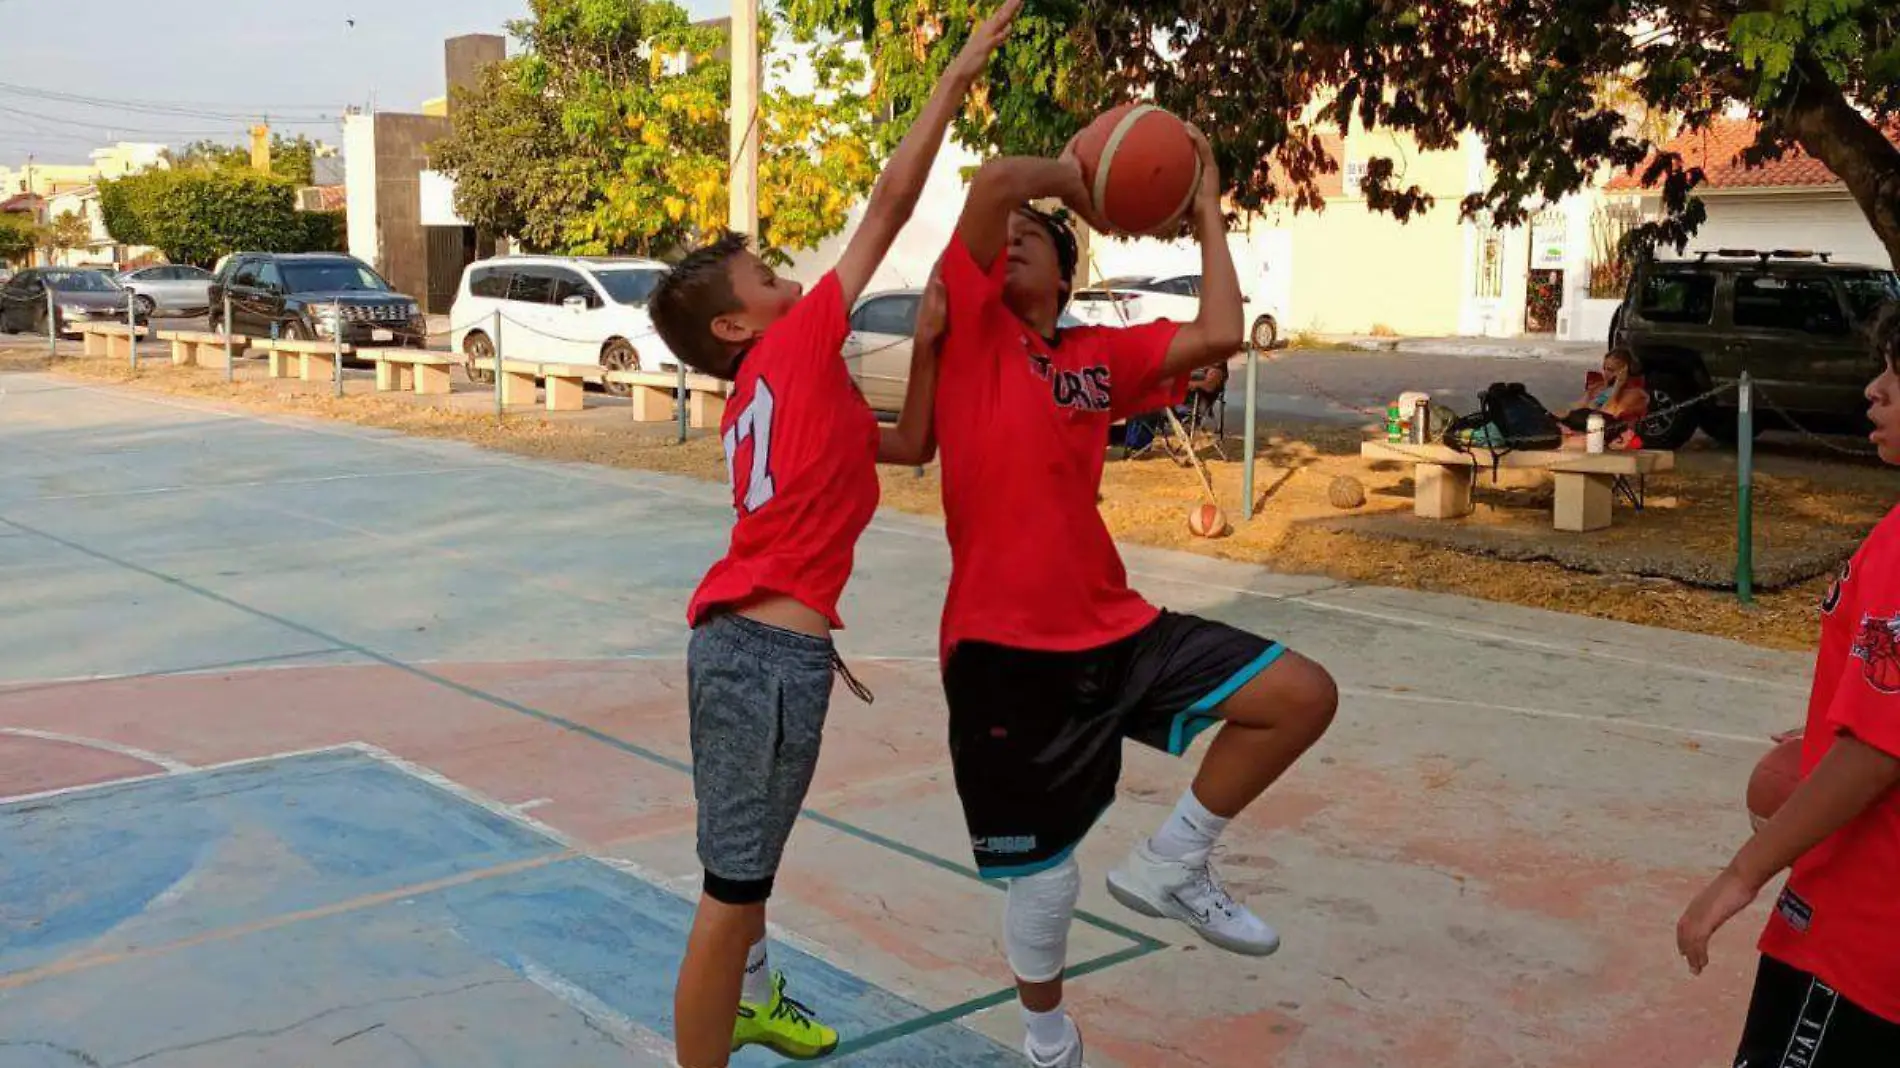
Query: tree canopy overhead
{"points": [[608, 133], [1559, 90]]}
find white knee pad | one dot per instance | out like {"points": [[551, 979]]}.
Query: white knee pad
{"points": [[1036, 921]]}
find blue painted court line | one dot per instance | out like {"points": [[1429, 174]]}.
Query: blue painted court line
{"points": [[179, 887]]}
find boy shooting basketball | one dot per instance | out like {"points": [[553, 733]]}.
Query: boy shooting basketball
{"points": [[1827, 993], [1049, 659], [802, 446]]}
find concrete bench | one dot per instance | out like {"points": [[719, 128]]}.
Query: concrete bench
{"points": [[419, 369], [566, 384], [201, 349], [313, 361], [1585, 482], [110, 339], [653, 394]]}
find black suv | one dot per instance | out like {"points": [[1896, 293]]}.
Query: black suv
{"points": [[304, 294], [1795, 321]]}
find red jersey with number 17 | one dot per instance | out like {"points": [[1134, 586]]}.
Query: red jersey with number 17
{"points": [[801, 448], [1838, 919]]}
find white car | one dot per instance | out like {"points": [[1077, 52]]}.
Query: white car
{"points": [[1137, 299], [559, 309]]}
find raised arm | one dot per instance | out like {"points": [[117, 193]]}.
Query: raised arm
{"points": [[1004, 184], [1218, 331], [895, 195], [913, 441]]}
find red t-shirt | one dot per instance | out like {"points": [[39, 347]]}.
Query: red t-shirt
{"points": [[1839, 917], [1023, 427], [801, 449]]}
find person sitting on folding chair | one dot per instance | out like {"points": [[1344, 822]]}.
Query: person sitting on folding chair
{"points": [[1203, 410], [1618, 394]]}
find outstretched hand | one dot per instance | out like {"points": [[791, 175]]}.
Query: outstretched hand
{"points": [[988, 36], [1208, 196]]}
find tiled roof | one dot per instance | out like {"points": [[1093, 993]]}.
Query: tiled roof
{"points": [[1717, 149], [21, 202]]}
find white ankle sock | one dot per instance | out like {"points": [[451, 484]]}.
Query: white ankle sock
{"points": [[758, 977], [1047, 1030], [1191, 829]]}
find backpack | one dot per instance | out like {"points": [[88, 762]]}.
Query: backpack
{"points": [[1508, 418]]}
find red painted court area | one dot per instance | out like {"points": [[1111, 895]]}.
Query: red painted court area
{"points": [[1482, 864]]}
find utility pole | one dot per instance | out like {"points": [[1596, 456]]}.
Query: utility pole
{"points": [[260, 148], [743, 193]]}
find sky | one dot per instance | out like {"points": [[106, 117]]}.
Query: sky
{"points": [[195, 69]]}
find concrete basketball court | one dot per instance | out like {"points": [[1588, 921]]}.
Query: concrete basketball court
{"points": [[325, 746]]}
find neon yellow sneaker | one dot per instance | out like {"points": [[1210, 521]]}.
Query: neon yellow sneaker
{"points": [[783, 1026]]}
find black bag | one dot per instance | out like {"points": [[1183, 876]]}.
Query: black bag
{"points": [[1508, 419]]}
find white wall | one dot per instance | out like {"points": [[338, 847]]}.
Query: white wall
{"points": [[1822, 222], [438, 200], [359, 185]]}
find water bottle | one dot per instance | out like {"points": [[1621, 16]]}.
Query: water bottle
{"points": [[1593, 438]]}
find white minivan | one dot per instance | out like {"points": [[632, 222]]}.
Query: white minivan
{"points": [[559, 309]]}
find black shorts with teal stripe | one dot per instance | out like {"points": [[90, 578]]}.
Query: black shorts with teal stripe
{"points": [[1036, 736]]}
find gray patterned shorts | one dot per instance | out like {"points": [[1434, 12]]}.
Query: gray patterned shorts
{"points": [[757, 697]]}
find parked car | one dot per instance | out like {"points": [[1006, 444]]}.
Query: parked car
{"points": [[560, 309], [878, 349], [1795, 321], [304, 295], [169, 287], [79, 296], [1131, 300]]}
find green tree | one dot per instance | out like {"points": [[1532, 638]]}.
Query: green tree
{"points": [[68, 230], [292, 158], [195, 215], [1559, 90], [608, 133], [18, 237]]}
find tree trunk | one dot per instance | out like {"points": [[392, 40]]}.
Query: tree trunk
{"points": [[1824, 124]]}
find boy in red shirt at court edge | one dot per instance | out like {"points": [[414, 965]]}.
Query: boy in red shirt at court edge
{"points": [[1827, 994], [802, 446], [1049, 659]]}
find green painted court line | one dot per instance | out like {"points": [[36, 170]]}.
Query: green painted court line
{"points": [[987, 1001]]}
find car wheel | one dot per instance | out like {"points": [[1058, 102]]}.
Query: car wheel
{"points": [[478, 353], [619, 355], [1265, 332], [293, 330], [1674, 425], [143, 307]]}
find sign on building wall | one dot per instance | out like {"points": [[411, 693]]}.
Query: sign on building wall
{"points": [[1550, 241]]}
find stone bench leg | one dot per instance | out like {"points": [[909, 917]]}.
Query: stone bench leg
{"points": [[118, 347], [281, 363], [1584, 502], [430, 380], [517, 389], [565, 395], [705, 410], [207, 354], [319, 366], [391, 377], [95, 343], [651, 404], [1441, 491], [184, 354]]}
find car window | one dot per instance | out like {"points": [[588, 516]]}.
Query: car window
{"points": [[1805, 305], [1867, 292], [1678, 297], [268, 276], [629, 287], [568, 284], [80, 282], [490, 282], [532, 285], [188, 273], [896, 315], [331, 276], [246, 273]]}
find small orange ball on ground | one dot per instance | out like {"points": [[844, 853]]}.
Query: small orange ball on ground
{"points": [[1141, 168], [1774, 780], [1207, 521]]}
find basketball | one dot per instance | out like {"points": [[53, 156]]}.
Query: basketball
{"points": [[1141, 168], [1774, 780], [1207, 521]]}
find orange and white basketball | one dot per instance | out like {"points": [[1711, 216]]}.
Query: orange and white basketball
{"points": [[1207, 521], [1141, 168]]}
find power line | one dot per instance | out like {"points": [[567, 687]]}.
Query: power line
{"points": [[160, 108], [129, 129]]}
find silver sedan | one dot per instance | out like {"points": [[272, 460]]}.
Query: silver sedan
{"points": [[176, 289]]}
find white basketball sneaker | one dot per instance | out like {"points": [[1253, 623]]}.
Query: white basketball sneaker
{"points": [[1187, 890], [1069, 1055]]}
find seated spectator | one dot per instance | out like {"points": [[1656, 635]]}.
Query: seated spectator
{"points": [[1618, 395]]}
